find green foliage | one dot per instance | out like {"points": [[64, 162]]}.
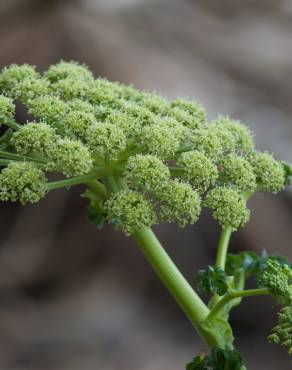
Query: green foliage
{"points": [[212, 280], [287, 173], [219, 359], [251, 263]]}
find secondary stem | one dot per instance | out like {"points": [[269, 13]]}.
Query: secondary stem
{"points": [[223, 247], [185, 296], [69, 182], [229, 296]]}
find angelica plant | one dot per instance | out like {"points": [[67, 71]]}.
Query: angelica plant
{"points": [[144, 160]]}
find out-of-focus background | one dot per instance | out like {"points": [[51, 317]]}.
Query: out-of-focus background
{"points": [[73, 297]]}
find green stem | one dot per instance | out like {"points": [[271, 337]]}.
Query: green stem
{"points": [[113, 184], [12, 124], [233, 294], [97, 187], [72, 181], [186, 297], [5, 162], [19, 157], [223, 247]]}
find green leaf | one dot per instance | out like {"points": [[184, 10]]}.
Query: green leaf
{"points": [[250, 262], [197, 364], [212, 280], [288, 172], [95, 211], [224, 359], [219, 359], [97, 217]]}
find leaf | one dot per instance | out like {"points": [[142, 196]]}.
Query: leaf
{"points": [[250, 262], [212, 280], [219, 359], [224, 359], [287, 172], [95, 211], [197, 364], [95, 216]]}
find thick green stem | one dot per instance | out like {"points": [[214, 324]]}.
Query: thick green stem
{"points": [[186, 297], [223, 247], [229, 296]]}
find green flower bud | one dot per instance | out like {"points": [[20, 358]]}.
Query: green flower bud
{"points": [[239, 171], [81, 105], [22, 181], [143, 115], [159, 140], [103, 111], [30, 89], [199, 170], [34, 138], [49, 109], [76, 123], [130, 211], [106, 140], [242, 136], [71, 88], [146, 173], [269, 172], [70, 157], [282, 333], [11, 76], [107, 98], [277, 278], [184, 118], [193, 108], [205, 140], [155, 103], [7, 109], [64, 70], [179, 202], [228, 207], [128, 125]]}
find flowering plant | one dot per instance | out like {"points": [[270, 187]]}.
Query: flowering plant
{"points": [[145, 160]]}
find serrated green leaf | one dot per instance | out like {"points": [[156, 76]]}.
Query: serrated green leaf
{"points": [[219, 359], [212, 280]]}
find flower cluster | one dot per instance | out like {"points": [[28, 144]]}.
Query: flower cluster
{"points": [[282, 333], [166, 159], [277, 278]]}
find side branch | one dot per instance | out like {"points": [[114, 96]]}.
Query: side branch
{"points": [[233, 294]]}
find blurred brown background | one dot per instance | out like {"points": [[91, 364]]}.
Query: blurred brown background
{"points": [[72, 297]]}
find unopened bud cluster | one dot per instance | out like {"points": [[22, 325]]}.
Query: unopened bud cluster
{"points": [[171, 159]]}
